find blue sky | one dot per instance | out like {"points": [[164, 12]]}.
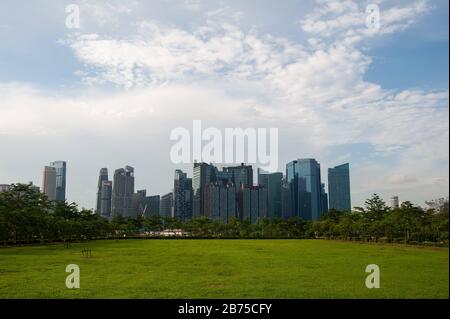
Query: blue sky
{"points": [[109, 93]]}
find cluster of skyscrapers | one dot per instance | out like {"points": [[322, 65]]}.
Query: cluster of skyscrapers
{"points": [[230, 193], [54, 181]]}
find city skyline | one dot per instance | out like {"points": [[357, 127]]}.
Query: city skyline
{"points": [[111, 92], [259, 177]]}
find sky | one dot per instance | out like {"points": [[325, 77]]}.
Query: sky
{"points": [[108, 94]]}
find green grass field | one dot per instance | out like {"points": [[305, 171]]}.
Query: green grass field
{"points": [[224, 269]]}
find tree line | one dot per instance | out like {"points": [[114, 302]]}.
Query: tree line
{"points": [[27, 216]]}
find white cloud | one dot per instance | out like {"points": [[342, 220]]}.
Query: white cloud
{"points": [[315, 92]]}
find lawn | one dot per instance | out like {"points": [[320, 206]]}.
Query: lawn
{"points": [[224, 269]]}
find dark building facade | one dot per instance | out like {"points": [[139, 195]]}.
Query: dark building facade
{"points": [[220, 201], [106, 199], [307, 197], [166, 205], [272, 182], [123, 190], [102, 177], [61, 169], [339, 187], [203, 175], [252, 202], [182, 194], [240, 175]]}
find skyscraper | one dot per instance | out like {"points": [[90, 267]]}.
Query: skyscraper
{"points": [[60, 167], [203, 175], [240, 175], [49, 182], [106, 199], [252, 203], [272, 182], [286, 200], [304, 179], [339, 187], [182, 195], [149, 206], [123, 190], [166, 205], [103, 176], [324, 200], [220, 201]]}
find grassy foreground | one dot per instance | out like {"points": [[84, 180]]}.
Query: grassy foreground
{"points": [[224, 269]]}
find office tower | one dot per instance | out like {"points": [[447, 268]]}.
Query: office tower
{"points": [[220, 201], [149, 206], [137, 199], [324, 198], [286, 200], [106, 199], [240, 175], [123, 190], [395, 202], [203, 174], [60, 167], [103, 176], [4, 187], [49, 182], [253, 203], [272, 182], [182, 196], [339, 187], [303, 176], [166, 205]]}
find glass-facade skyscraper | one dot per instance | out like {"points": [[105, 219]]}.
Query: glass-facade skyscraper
{"points": [[123, 190], [272, 182], [307, 194], [182, 196], [106, 199], [339, 187], [60, 167], [102, 177], [203, 175], [166, 205]]}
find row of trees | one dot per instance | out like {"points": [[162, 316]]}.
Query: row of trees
{"points": [[27, 216]]}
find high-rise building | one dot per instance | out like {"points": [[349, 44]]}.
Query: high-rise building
{"points": [[103, 177], [286, 200], [304, 179], [253, 203], [339, 187], [60, 167], [324, 200], [203, 175], [49, 182], [220, 201], [137, 199], [272, 182], [123, 190], [240, 175], [395, 202], [166, 205], [149, 206], [182, 195], [106, 199]]}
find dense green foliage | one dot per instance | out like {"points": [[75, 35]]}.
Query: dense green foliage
{"points": [[26, 216], [237, 268]]}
